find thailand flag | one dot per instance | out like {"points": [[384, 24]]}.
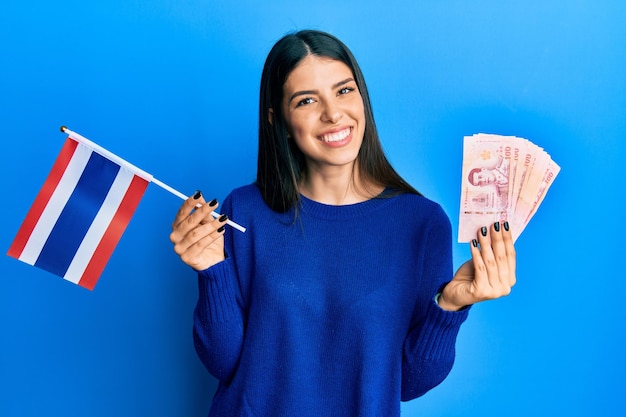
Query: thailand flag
{"points": [[80, 213]]}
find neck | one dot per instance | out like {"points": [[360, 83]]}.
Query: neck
{"points": [[337, 187]]}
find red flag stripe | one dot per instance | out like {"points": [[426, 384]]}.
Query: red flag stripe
{"points": [[113, 233], [48, 188]]}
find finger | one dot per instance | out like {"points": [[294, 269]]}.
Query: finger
{"points": [[201, 214], [481, 288], [200, 237], [488, 258], [188, 207], [204, 211], [193, 212], [502, 261], [480, 270], [507, 237], [196, 255]]}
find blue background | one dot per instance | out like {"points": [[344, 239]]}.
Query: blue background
{"points": [[172, 87]]}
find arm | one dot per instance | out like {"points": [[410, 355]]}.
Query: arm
{"points": [[429, 348], [429, 351], [490, 274], [218, 320]]}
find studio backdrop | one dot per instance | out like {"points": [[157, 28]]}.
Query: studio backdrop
{"points": [[172, 87]]}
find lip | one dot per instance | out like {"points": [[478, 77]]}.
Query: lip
{"points": [[337, 143]]}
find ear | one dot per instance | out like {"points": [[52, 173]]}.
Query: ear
{"points": [[270, 118]]}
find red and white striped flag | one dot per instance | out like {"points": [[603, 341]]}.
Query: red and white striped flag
{"points": [[79, 214]]}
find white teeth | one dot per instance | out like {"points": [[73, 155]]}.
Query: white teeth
{"points": [[336, 137]]}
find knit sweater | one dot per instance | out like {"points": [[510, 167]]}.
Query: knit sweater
{"points": [[332, 314]]}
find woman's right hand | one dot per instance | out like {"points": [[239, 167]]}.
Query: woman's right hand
{"points": [[197, 236]]}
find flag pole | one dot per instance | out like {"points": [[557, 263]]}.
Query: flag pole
{"points": [[140, 172]]}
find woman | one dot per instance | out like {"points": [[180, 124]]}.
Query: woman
{"points": [[340, 298]]}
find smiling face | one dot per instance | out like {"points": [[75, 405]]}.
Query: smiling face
{"points": [[324, 112]]}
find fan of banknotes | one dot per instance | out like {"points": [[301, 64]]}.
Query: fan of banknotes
{"points": [[504, 178]]}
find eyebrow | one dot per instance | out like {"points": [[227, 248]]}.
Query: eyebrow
{"points": [[307, 92]]}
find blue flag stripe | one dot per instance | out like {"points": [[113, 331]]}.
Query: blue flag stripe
{"points": [[77, 215]]}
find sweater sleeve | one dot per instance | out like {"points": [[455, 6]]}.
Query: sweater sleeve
{"points": [[429, 351], [218, 321], [429, 348]]}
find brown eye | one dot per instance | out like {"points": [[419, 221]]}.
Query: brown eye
{"points": [[304, 101]]}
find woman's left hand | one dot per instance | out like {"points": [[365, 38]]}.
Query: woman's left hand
{"points": [[488, 275]]}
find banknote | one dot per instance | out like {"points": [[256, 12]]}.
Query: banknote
{"points": [[532, 199], [485, 184], [504, 178]]}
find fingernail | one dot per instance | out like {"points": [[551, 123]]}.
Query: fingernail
{"points": [[223, 218], [221, 229], [483, 230], [506, 226], [474, 243], [496, 226], [213, 202], [197, 194]]}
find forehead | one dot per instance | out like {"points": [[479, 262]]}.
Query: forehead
{"points": [[315, 72]]}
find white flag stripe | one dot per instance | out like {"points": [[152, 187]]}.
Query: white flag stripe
{"points": [[99, 226], [55, 206]]}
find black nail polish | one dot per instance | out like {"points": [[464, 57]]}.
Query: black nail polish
{"points": [[506, 226], [197, 195], [223, 218], [221, 229], [213, 202], [483, 230], [474, 243], [496, 226]]}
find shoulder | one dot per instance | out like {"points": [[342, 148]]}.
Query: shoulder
{"points": [[245, 192], [245, 196], [420, 215], [246, 204], [418, 205]]}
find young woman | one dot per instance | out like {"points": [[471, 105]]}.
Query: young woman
{"points": [[340, 299]]}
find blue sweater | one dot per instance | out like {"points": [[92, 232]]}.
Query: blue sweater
{"points": [[330, 315]]}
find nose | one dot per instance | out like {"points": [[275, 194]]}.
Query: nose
{"points": [[331, 112]]}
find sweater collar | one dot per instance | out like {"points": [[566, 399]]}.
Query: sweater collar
{"points": [[343, 212]]}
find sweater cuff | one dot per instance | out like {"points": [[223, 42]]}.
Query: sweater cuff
{"points": [[440, 330], [216, 297]]}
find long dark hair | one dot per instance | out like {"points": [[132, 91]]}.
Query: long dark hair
{"points": [[281, 164]]}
